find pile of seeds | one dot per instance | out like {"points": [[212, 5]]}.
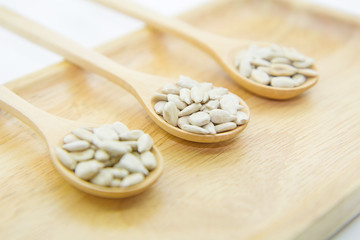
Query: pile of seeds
{"points": [[199, 107], [110, 155], [275, 66]]}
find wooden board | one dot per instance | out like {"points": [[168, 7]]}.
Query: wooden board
{"points": [[292, 174]]}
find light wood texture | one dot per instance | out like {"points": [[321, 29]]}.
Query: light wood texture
{"points": [[222, 49], [141, 85], [292, 174], [53, 129]]}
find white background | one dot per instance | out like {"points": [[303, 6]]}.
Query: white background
{"points": [[19, 57]]}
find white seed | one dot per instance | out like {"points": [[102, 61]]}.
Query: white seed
{"points": [[88, 169], [282, 82], [106, 133], [96, 142], [104, 162], [293, 54], [264, 69], [103, 178], [79, 145], [194, 129], [264, 53], [190, 109], [260, 62], [185, 95], [83, 134], [120, 128], [145, 143], [132, 179], [131, 135], [101, 155], [253, 48], [170, 88], [217, 93], [203, 108], [205, 86], [206, 97], [276, 51], [148, 160], [186, 82], [241, 118], [238, 100], [274, 47], [210, 127], [245, 67], [183, 120], [159, 107], [115, 183], [203, 98], [307, 72], [239, 56], [304, 64], [197, 94], [199, 119], [260, 77], [159, 97], [230, 103], [225, 127], [70, 138], [65, 159], [171, 113], [111, 162], [132, 163], [281, 60], [176, 99], [115, 148], [212, 104], [221, 116], [298, 79], [274, 54], [132, 144], [279, 69], [82, 156], [236, 97], [116, 172]]}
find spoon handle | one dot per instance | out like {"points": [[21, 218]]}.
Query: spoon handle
{"points": [[40, 121], [202, 39], [81, 56]]}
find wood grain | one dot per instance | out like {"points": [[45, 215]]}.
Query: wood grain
{"points": [[292, 174]]}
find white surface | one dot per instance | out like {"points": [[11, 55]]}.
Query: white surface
{"points": [[19, 57]]}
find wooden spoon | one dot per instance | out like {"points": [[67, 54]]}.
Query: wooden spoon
{"points": [[141, 85], [222, 49], [52, 129]]}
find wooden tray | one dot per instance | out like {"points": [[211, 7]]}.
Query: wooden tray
{"points": [[292, 174]]}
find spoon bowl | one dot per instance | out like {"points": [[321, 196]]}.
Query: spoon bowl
{"points": [[142, 86], [52, 129], [208, 138], [222, 49], [226, 58]]}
